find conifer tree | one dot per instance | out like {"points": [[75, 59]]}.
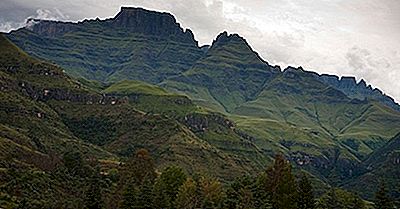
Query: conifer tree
{"points": [[281, 184], [381, 198], [167, 186], [332, 200], [93, 196], [188, 195], [306, 194], [211, 193], [240, 194], [138, 181], [262, 194]]}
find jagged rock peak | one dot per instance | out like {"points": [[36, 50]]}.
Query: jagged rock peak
{"points": [[362, 83], [145, 20], [241, 45], [224, 38], [128, 19], [149, 22]]}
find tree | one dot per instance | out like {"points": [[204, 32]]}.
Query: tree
{"points": [[306, 195], [381, 198], [167, 186], [140, 167], [75, 164], [138, 181], [332, 200], [281, 184], [129, 195], [211, 193], [356, 203], [262, 194], [188, 195], [240, 194], [93, 197]]}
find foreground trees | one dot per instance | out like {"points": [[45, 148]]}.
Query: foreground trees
{"points": [[138, 184], [381, 198]]}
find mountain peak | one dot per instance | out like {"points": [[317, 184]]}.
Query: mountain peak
{"points": [[128, 19], [143, 18], [224, 38], [150, 22]]}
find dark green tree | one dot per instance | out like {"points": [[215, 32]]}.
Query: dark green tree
{"points": [[305, 198], [261, 193], [167, 186], [332, 201], [75, 164], [140, 167], [281, 184], [93, 195], [240, 194], [356, 203], [145, 195], [212, 194], [129, 196], [138, 181], [382, 201], [188, 196]]}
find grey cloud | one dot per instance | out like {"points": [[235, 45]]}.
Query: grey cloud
{"points": [[376, 69]]}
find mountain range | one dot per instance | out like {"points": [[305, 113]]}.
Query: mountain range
{"points": [[139, 80]]}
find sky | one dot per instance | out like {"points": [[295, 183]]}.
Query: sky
{"points": [[358, 38]]}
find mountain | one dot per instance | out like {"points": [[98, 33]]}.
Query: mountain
{"points": [[45, 114], [229, 74], [360, 90], [136, 44], [219, 105]]}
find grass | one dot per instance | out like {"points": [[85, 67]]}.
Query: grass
{"points": [[136, 87]]}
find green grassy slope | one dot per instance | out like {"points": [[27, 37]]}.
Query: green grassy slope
{"points": [[316, 124], [230, 74], [380, 166], [27, 123], [99, 52], [46, 109]]}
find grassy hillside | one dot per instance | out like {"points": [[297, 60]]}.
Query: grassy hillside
{"points": [[102, 53], [380, 166], [46, 114]]}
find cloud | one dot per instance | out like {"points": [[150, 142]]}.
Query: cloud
{"points": [[376, 69]]}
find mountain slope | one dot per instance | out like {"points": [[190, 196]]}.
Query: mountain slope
{"points": [[60, 110], [325, 130], [136, 44], [381, 165], [230, 74]]}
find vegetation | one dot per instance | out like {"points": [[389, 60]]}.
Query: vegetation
{"points": [[212, 119]]}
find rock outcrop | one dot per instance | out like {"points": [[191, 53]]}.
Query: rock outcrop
{"points": [[134, 20], [352, 89]]}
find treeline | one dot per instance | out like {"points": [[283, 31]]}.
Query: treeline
{"points": [[141, 187], [82, 183]]}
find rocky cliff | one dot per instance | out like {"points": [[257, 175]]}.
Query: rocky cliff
{"points": [[129, 19], [350, 87]]}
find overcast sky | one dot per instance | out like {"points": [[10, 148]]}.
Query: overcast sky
{"points": [[343, 37]]}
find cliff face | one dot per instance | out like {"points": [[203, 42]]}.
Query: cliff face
{"points": [[136, 44], [132, 20], [139, 20], [360, 90]]}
